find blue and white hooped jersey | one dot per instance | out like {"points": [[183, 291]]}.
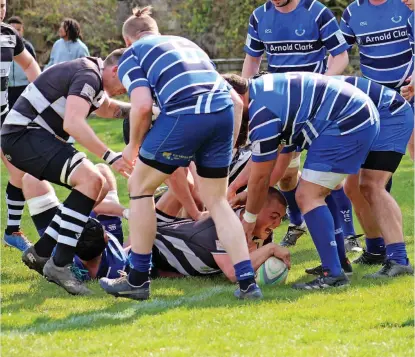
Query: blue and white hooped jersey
{"points": [[296, 41], [179, 73], [387, 100], [296, 108], [381, 34], [113, 259], [410, 29]]}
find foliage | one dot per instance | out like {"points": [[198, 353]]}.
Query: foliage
{"points": [[199, 316], [43, 17]]}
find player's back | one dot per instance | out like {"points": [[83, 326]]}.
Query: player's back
{"points": [[180, 74], [387, 100]]}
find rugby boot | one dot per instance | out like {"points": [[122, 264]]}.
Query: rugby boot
{"points": [[352, 243], [120, 287], [34, 261], [16, 240], [370, 259], [318, 270], [253, 292], [325, 281], [390, 269], [293, 234]]}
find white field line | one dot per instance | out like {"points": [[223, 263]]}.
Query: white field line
{"points": [[89, 319]]}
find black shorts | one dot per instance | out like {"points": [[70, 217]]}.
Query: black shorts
{"points": [[383, 161], [39, 153]]}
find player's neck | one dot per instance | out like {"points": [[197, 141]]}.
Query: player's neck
{"points": [[377, 2], [289, 7]]}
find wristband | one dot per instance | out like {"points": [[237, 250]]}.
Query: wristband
{"points": [[126, 214], [110, 156], [250, 217]]}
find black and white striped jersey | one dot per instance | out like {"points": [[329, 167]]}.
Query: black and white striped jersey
{"points": [[188, 247], [11, 45], [43, 102]]}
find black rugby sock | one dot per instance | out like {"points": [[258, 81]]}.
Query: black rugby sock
{"points": [[15, 205]]}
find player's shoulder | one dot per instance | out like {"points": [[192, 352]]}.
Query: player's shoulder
{"points": [[262, 11], [315, 8], [355, 7], [7, 29]]}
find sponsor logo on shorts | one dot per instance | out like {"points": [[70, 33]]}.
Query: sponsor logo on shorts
{"points": [[8, 157], [112, 227], [171, 156], [219, 246]]}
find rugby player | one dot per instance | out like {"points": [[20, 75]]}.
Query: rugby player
{"points": [[52, 108], [296, 35], [196, 123], [13, 49], [334, 121]]}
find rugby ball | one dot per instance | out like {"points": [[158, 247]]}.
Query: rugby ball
{"points": [[272, 272]]}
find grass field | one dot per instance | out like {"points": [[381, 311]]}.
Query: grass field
{"points": [[200, 317]]}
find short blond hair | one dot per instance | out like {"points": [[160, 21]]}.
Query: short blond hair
{"points": [[140, 21]]}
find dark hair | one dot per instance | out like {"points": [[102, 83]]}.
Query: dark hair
{"points": [[72, 29], [15, 20], [238, 83], [114, 57], [140, 21], [274, 193], [91, 243]]}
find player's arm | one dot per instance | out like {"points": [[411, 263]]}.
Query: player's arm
{"points": [[258, 257], [334, 41], [179, 185], [112, 108], [28, 64], [254, 48], [75, 124], [281, 165], [238, 109]]}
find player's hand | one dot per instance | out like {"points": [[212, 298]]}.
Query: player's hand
{"points": [[283, 254], [249, 229], [408, 91], [130, 154], [231, 193], [239, 199], [123, 167]]}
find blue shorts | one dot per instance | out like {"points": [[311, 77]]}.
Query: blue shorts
{"points": [[395, 131], [111, 224], [342, 154], [175, 141]]}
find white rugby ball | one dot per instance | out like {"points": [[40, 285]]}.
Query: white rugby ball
{"points": [[272, 272]]}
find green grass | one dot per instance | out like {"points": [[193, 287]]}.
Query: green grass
{"points": [[199, 317]]}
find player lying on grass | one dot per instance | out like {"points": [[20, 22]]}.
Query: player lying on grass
{"points": [[183, 247], [52, 108]]}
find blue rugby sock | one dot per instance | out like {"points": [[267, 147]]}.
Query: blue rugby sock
{"points": [[338, 230], [140, 265], [294, 212], [345, 209], [397, 253], [375, 245], [245, 274], [320, 224]]}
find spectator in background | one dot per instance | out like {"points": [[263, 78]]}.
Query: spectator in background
{"points": [[70, 45], [17, 78]]}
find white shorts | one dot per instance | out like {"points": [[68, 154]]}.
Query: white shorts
{"points": [[326, 179]]}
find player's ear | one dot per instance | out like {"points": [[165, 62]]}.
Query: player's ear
{"points": [[114, 71]]}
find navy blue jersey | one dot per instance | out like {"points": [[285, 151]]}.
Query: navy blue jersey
{"points": [[180, 75], [296, 41], [386, 100], [113, 259], [296, 108], [381, 34]]}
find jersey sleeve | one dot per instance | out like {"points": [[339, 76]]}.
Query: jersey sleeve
{"points": [[253, 45], [289, 148], [86, 84], [410, 30], [347, 31], [330, 33], [30, 48], [130, 73], [264, 133], [19, 48]]}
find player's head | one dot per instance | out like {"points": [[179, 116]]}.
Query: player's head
{"points": [[17, 23], [271, 214], [409, 3], [139, 24], [2, 9], [241, 86], [112, 84], [280, 3], [70, 30], [92, 241]]}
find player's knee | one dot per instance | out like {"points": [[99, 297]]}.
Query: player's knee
{"points": [[350, 189], [369, 189], [301, 197], [109, 176], [289, 181], [32, 187], [96, 182]]}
